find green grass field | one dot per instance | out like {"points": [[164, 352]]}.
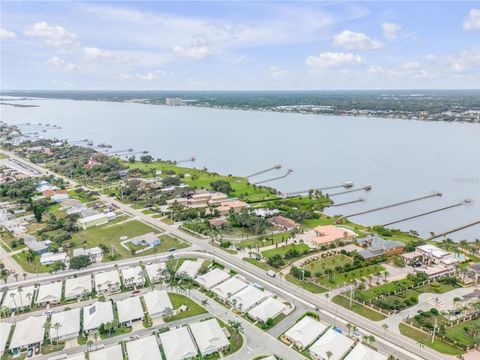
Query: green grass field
{"points": [[192, 307], [425, 339], [358, 308], [263, 241], [457, 333], [345, 277], [282, 249], [307, 285], [328, 263]]}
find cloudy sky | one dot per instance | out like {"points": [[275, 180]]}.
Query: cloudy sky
{"points": [[239, 45]]}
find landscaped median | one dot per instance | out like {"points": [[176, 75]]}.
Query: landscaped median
{"points": [[358, 308]]}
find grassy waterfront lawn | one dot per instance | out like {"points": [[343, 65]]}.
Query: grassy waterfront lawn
{"points": [[425, 339], [358, 308], [281, 250], [192, 307], [328, 263], [345, 277]]}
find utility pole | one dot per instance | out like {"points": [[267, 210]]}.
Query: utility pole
{"points": [[434, 329]]}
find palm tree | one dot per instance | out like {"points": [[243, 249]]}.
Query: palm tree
{"points": [[89, 345], [385, 274], [204, 302], [47, 326], [385, 327], [12, 295], [24, 276], [57, 327], [349, 327], [19, 291], [329, 354], [95, 338], [29, 297]]}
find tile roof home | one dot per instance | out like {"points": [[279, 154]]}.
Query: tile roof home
{"points": [[229, 287], [70, 324], [144, 349], [178, 344], [375, 246], [49, 293], [283, 222], [330, 233], [29, 331], [76, 287], [190, 268], [247, 298], [305, 332], [332, 341], [362, 352], [96, 314], [235, 205], [209, 336], [111, 353], [4, 335], [129, 309], [268, 309], [212, 278], [157, 301]]}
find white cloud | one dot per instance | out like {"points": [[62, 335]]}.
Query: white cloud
{"points": [[466, 61], [331, 59], [93, 53], [473, 20], [61, 64], [391, 30], [375, 69], [55, 36], [356, 41], [7, 35], [430, 57], [149, 76], [193, 52], [276, 71], [414, 65]]}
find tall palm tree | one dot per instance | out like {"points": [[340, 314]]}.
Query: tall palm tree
{"points": [[385, 327], [329, 354], [57, 327], [12, 295], [19, 291], [95, 338]]}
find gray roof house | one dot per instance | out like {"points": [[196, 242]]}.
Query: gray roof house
{"points": [[375, 246]]}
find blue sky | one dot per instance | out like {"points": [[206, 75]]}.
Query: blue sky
{"points": [[239, 45]]}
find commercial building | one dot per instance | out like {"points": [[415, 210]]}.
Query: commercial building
{"points": [[247, 298], [133, 276], [69, 328], [209, 336], [362, 352], [157, 302], [268, 309], [305, 332], [129, 310], [229, 288], [332, 342], [50, 258], [212, 278], [92, 220], [19, 298], [28, 332], [375, 246], [96, 314], [50, 293], [178, 344], [95, 253], [111, 353], [144, 349], [190, 268], [155, 271], [4, 335], [77, 287], [107, 282]]}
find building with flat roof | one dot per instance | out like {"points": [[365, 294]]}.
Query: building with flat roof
{"points": [[107, 282], [155, 271], [433, 255], [157, 302], [133, 276], [209, 336], [22, 299], [93, 220], [149, 239], [50, 293], [332, 341], [50, 258], [305, 332], [247, 298], [268, 309], [229, 287], [190, 268], [69, 321], [78, 287], [95, 253], [146, 348], [28, 332], [362, 352], [212, 278], [111, 353], [4, 335], [129, 310], [178, 344], [96, 314], [39, 247]]}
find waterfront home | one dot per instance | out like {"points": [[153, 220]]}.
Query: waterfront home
{"points": [[374, 247], [157, 303], [305, 332], [77, 287], [332, 341], [92, 220], [229, 288], [69, 321], [177, 201], [20, 298], [129, 310], [28, 333], [178, 344], [232, 205], [474, 273], [328, 234], [133, 277], [199, 200], [111, 353], [247, 298], [107, 282], [144, 349], [217, 198], [155, 271], [209, 337], [217, 222], [433, 255], [283, 222], [50, 258], [362, 352], [96, 314], [4, 335], [212, 278], [190, 268], [49, 294], [268, 309], [95, 253]]}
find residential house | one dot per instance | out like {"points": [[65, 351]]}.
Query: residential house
{"points": [[433, 255], [77, 287], [305, 332], [217, 198], [283, 222], [157, 303], [50, 258], [268, 309], [212, 278], [155, 271], [178, 344], [232, 205], [325, 235], [149, 239], [190, 268], [129, 310], [96, 314], [92, 220], [28, 333], [107, 282], [4, 335], [39, 247], [49, 294], [133, 277], [209, 337], [362, 352], [230, 287], [110, 353], [95, 253], [374, 247], [59, 197], [177, 201], [69, 321], [144, 349], [18, 299], [332, 341], [248, 298]]}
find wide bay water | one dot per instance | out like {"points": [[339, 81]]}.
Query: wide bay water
{"points": [[401, 159]]}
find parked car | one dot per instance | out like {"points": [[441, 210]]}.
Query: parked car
{"points": [[37, 350], [136, 292], [48, 312], [29, 352]]}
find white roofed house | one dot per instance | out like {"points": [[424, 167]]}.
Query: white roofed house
{"points": [[212, 278], [96, 314], [129, 310], [107, 282], [178, 344], [68, 325], [331, 342], [133, 277], [50, 293], [190, 268], [28, 332], [110, 353], [268, 309], [362, 352], [247, 298], [95, 253], [4, 335], [144, 349], [157, 303], [305, 332], [155, 271], [50, 258], [229, 288], [78, 287], [209, 336], [93, 220], [19, 298]]}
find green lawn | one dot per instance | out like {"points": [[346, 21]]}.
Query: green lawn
{"points": [[346, 277], [425, 339], [307, 285], [457, 333], [281, 250], [260, 264], [33, 266], [192, 307], [265, 240], [358, 308], [328, 263]]}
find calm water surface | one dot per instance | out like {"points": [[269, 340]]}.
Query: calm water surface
{"points": [[400, 159]]}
